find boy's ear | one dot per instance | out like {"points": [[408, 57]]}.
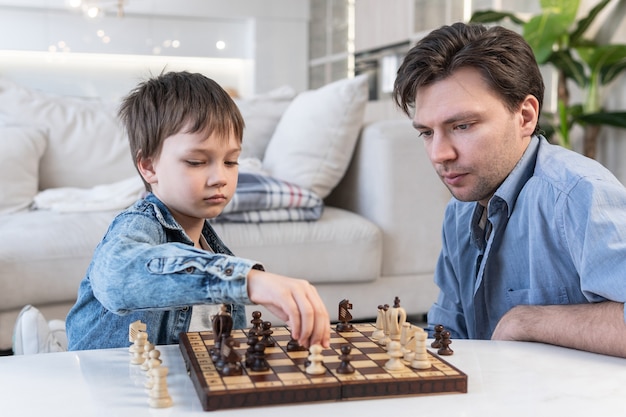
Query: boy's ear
{"points": [[145, 166]]}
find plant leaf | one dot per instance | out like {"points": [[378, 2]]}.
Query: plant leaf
{"points": [[573, 69], [490, 16], [616, 119], [607, 60], [584, 23], [544, 31]]}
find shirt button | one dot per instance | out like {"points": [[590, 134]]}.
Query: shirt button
{"points": [[228, 271], [185, 308], [190, 269]]}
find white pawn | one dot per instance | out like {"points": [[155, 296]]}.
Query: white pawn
{"points": [[394, 349], [149, 347], [316, 359], [138, 348], [153, 362], [420, 358], [379, 333], [159, 395]]}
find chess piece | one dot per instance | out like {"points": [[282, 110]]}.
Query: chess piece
{"points": [[420, 355], [251, 342], [345, 367], [436, 344], [445, 344], [266, 333], [384, 341], [138, 348], [146, 355], [153, 361], [230, 357], [394, 349], [294, 346], [260, 363], [133, 329], [256, 323], [396, 316], [344, 324], [379, 333], [407, 341], [222, 324], [159, 395], [316, 361]]}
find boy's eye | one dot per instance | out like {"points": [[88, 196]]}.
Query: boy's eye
{"points": [[232, 163], [194, 163]]}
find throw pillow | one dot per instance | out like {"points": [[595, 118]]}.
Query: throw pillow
{"points": [[21, 149], [261, 114], [314, 140], [86, 143]]}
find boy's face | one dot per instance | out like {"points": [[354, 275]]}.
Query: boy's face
{"points": [[472, 139], [194, 175]]}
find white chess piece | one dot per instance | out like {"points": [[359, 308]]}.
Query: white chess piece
{"points": [[394, 349], [159, 395], [420, 358], [379, 333], [396, 317], [316, 359]]}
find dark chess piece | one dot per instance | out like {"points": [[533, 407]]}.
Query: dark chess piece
{"points": [[266, 335], [252, 341], [345, 367], [222, 324], [437, 342], [294, 346], [344, 324], [445, 344], [256, 323], [260, 363], [230, 357]]}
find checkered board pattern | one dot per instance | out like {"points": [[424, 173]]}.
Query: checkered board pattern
{"points": [[287, 382]]}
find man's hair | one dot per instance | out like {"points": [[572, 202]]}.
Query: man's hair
{"points": [[502, 56], [172, 102]]}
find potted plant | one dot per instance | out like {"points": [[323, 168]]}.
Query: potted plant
{"points": [[558, 39]]}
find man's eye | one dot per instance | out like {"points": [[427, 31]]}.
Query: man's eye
{"points": [[425, 133], [463, 126]]}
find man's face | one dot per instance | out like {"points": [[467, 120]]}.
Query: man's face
{"points": [[472, 139]]}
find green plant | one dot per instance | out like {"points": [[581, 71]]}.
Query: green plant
{"points": [[558, 39]]}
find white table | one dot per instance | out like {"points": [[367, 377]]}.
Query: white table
{"points": [[504, 379]]}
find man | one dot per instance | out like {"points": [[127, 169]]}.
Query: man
{"points": [[534, 238]]}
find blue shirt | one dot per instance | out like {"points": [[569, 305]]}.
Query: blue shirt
{"points": [[146, 268], [558, 236]]}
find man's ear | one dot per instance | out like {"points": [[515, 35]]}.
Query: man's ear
{"points": [[529, 111], [145, 166]]}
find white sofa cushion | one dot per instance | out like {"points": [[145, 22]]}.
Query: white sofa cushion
{"points": [[87, 145], [261, 114], [314, 140], [21, 149]]}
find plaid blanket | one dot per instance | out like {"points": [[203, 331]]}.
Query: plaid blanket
{"points": [[260, 198]]}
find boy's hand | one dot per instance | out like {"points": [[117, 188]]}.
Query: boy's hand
{"points": [[294, 301]]}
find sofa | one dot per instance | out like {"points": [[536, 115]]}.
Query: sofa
{"points": [[376, 237]]}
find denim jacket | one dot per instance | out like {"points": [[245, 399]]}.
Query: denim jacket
{"points": [[146, 268]]}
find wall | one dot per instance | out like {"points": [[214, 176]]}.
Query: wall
{"points": [[266, 42]]}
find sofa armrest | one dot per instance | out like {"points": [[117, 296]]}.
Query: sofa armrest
{"points": [[391, 182]]}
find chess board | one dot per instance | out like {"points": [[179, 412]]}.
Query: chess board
{"points": [[287, 382]]}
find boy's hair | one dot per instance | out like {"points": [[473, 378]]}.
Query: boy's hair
{"points": [[504, 58], [172, 102]]}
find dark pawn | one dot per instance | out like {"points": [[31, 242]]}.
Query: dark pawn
{"points": [[266, 334], [445, 344], [345, 367], [256, 323], [259, 364], [252, 341], [294, 346], [437, 342]]}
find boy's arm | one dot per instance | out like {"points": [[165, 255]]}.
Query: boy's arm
{"points": [[296, 302], [596, 327]]}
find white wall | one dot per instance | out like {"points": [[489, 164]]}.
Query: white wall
{"points": [[266, 42]]}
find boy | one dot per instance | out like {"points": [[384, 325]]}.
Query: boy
{"points": [[160, 256]]}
